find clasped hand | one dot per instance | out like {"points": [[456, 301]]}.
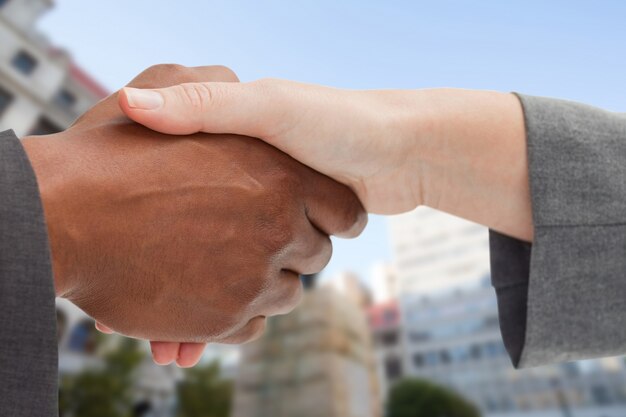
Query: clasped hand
{"points": [[190, 239]]}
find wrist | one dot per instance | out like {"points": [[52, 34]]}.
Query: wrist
{"points": [[416, 125], [47, 163], [470, 147]]}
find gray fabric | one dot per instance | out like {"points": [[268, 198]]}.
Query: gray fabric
{"points": [[28, 347], [576, 306], [510, 269]]}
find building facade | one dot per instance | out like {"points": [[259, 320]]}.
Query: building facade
{"points": [[384, 283], [450, 329], [387, 333], [314, 362], [455, 340], [42, 90], [435, 252]]}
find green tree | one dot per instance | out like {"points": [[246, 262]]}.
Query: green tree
{"points": [[104, 391], [204, 393], [418, 398]]}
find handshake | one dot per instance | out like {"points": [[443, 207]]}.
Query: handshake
{"points": [[196, 238], [189, 239]]}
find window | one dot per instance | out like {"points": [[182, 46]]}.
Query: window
{"points": [[5, 100], [389, 339], [444, 357], [393, 368], [418, 360], [432, 358], [65, 99], [494, 349], [45, 127], [476, 352], [24, 62], [601, 395], [83, 338], [417, 337], [390, 316], [460, 354]]}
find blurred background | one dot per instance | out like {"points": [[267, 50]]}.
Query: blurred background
{"points": [[403, 321]]}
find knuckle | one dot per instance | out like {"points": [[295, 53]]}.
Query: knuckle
{"points": [[289, 294], [160, 76], [267, 86], [223, 73], [353, 219], [267, 82], [245, 291], [166, 69], [197, 95], [278, 237], [230, 321], [325, 254], [284, 176], [318, 255], [295, 296], [252, 330], [278, 223], [210, 330]]}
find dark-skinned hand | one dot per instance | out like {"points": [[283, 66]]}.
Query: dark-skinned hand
{"points": [[182, 239]]}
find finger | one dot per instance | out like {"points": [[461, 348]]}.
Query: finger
{"points": [[167, 75], [310, 252], [212, 107], [333, 208], [161, 76], [164, 353], [283, 295], [104, 329], [189, 354], [253, 330]]}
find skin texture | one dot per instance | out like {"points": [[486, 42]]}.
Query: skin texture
{"points": [[194, 239], [459, 151], [462, 152]]}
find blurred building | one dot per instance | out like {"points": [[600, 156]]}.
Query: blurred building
{"points": [[314, 362], [434, 252], [384, 283], [77, 338], [450, 330], [387, 332], [351, 287], [455, 340], [41, 90]]}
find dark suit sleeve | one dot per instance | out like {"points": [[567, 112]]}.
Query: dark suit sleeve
{"points": [[28, 347], [564, 297]]}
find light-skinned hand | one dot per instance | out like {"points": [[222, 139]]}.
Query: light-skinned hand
{"points": [[459, 151]]}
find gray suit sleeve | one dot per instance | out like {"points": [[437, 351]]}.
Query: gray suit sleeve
{"points": [[563, 298], [28, 347]]}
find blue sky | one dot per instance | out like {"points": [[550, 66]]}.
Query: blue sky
{"points": [[569, 49]]}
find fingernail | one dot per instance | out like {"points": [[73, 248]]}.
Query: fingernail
{"points": [[143, 99], [161, 361]]}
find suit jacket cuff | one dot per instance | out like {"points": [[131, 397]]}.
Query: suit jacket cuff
{"points": [[28, 346], [562, 298]]}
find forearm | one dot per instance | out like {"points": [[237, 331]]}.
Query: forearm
{"points": [[462, 152], [471, 158]]}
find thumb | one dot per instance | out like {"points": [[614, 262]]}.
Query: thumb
{"points": [[212, 107]]}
